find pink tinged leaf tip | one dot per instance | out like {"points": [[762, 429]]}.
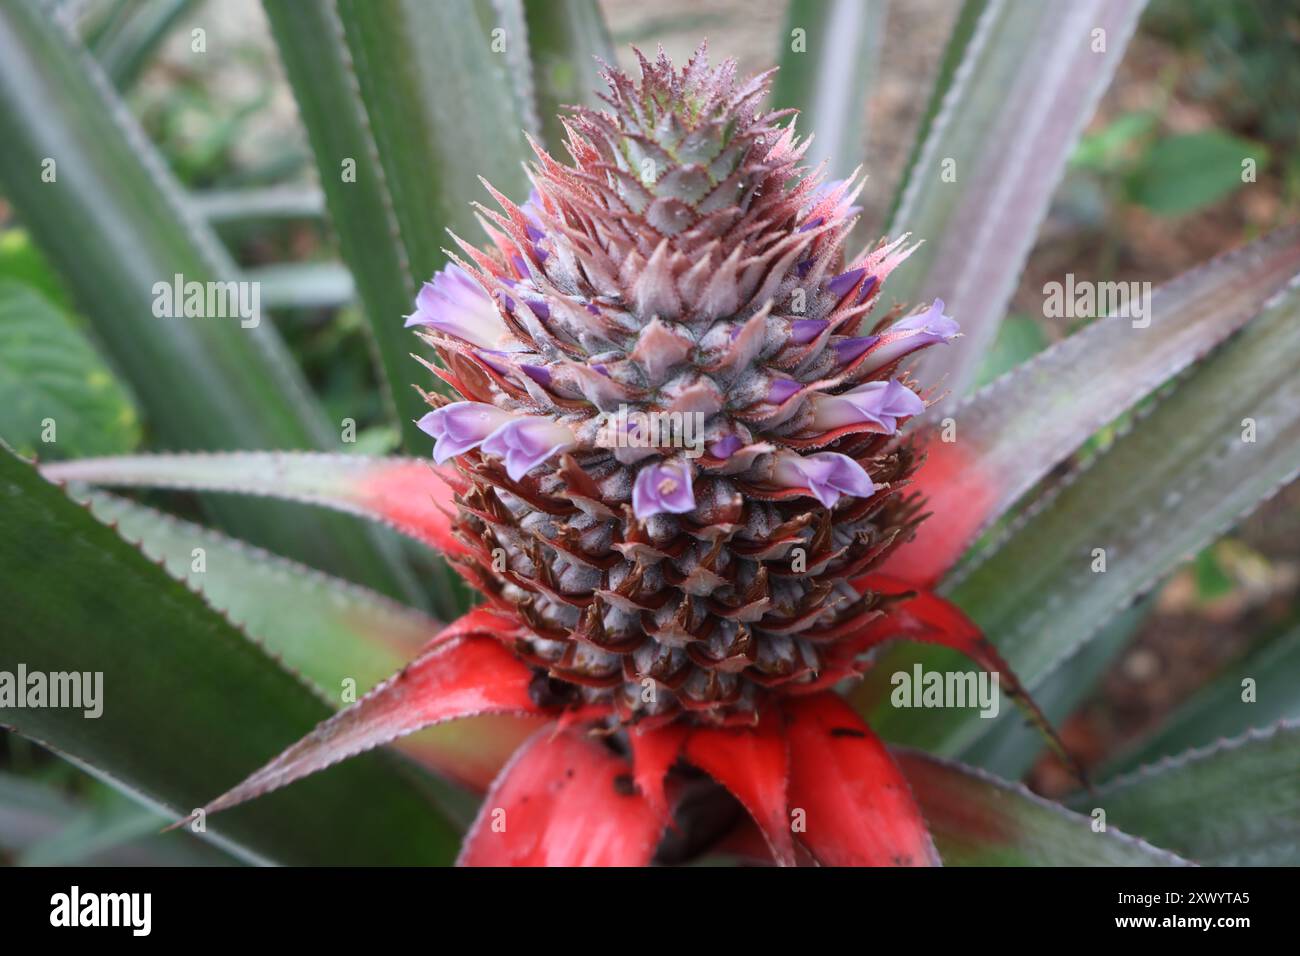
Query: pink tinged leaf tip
{"points": [[842, 284], [461, 426], [882, 403], [826, 475], [663, 488], [457, 305], [524, 443]]}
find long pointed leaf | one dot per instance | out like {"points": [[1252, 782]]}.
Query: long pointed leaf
{"points": [[42, 825], [979, 820], [1032, 76], [1236, 803], [458, 677], [1224, 708], [1013, 432], [341, 637], [409, 495], [829, 53], [188, 702], [111, 219], [564, 39], [1224, 441], [405, 104]]}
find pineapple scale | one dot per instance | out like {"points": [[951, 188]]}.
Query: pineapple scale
{"points": [[684, 265]]}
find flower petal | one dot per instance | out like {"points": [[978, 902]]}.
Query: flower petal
{"points": [[460, 427], [826, 476], [859, 808], [752, 763], [663, 488], [526, 442], [563, 800]]}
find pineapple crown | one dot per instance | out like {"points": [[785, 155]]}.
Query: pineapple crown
{"points": [[678, 439]]}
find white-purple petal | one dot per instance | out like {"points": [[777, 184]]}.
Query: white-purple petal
{"points": [[663, 488], [461, 426], [827, 475], [911, 333], [882, 403], [454, 303], [525, 442]]}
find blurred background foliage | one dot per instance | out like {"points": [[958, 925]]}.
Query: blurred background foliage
{"points": [[1141, 201]]}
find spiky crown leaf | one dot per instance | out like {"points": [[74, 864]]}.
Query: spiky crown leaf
{"points": [[685, 265]]}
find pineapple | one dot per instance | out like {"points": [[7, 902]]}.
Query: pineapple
{"points": [[678, 440]]}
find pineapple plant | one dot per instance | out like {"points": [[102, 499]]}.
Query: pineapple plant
{"points": [[704, 471]]}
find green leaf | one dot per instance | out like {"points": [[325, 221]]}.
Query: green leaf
{"points": [[1181, 174], [980, 188], [405, 493], [189, 704], [201, 382], [1220, 709], [1236, 803], [405, 105], [1105, 149], [564, 39], [1173, 483], [322, 627], [42, 825], [979, 820], [52, 378], [336, 635], [21, 261], [1011, 434], [829, 53], [125, 46], [954, 53]]}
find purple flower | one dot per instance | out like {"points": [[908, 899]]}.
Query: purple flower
{"points": [[526, 442], [866, 288], [840, 285], [880, 402], [782, 389], [538, 373], [460, 426], [803, 331], [726, 446], [456, 304], [827, 475], [848, 350], [911, 333], [663, 488]]}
